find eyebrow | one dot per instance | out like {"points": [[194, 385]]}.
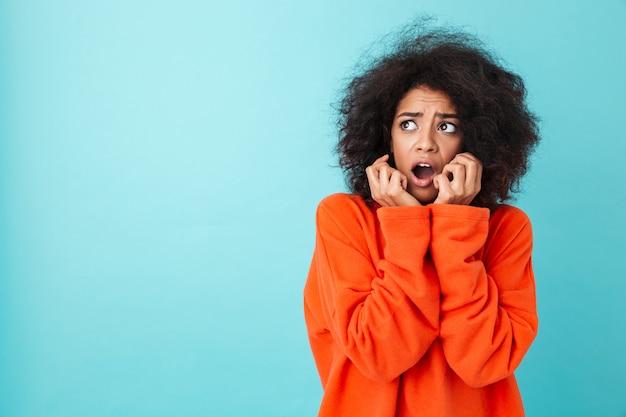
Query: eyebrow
{"points": [[419, 114]]}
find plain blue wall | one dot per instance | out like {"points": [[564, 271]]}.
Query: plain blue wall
{"points": [[160, 166]]}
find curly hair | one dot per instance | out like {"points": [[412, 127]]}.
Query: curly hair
{"points": [[497, 126]]}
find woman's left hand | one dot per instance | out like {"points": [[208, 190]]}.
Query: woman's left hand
{"points": [[466, 172]]}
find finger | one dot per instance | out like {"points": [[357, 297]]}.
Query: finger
{"points": [[442, 183], [474, 176], [467, 156], [457, 184], [372, 179], [379, 164], [473, 170], [479, 176], [381, 184], [384, 174], [372, 173], [382, 161], [395, 182], [383, 158]]}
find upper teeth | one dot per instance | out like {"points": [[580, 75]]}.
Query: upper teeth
{"points": [[423, 165]]}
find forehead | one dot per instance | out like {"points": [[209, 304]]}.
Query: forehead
{"points": [[422, 98]]}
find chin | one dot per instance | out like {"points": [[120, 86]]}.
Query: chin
{"points": [[426, 201], [425, 198]]}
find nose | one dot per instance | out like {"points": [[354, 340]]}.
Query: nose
{"points": [[426, 141]]}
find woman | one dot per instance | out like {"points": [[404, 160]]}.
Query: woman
{"points": [[420, 300]]}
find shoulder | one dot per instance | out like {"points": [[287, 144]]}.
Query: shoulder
{"points": [[343, 203], [508, 213], [509, 219], [343, 208], [342, 199]]}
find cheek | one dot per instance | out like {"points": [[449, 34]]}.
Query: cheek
{"points": [[459, 145], [399, 146], [397, 153], [393, 144], [454, 149]]}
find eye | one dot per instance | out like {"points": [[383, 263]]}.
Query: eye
{"points": [[408, 125], [447, 127]]}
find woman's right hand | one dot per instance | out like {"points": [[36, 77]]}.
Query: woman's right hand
{"points": [[388, 185]]}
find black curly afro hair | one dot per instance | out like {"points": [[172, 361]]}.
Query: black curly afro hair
{"points": [[490, 101]]}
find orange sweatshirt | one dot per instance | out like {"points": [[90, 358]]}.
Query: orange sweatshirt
{"points": [[419, 311]]}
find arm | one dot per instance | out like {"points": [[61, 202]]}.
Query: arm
{"points": [[382, 313], [488, 311]]}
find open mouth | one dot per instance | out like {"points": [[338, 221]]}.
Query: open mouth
{"points": [[423, 171]]}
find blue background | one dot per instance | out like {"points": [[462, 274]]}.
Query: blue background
{"points": [[160, 165]]}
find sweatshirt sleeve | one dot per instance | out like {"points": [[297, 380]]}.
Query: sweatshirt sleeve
{"points": [[488, 309], [383, 313]]}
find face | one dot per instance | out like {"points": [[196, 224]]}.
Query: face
{"points": [[425, 136]]}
